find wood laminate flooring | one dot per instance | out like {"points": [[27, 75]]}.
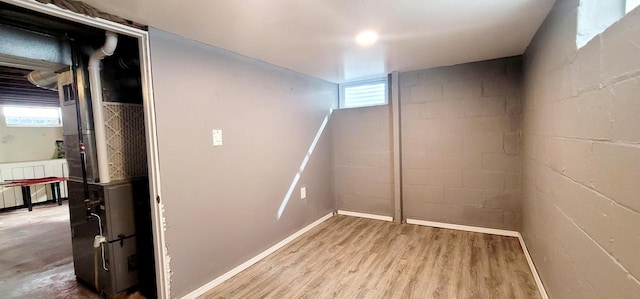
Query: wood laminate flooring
{"points": [[348, 257]]}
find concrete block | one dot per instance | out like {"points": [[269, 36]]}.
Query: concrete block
{"points": [[415, 143], [341, 158], [484, 180], [443, 143], [512, 220], [372, 143], [436, 178], [551, 153], [444, 109], [449, 125], [514, 105], [473, 161], [462, 89], [435, 161], [608, 278], [493, 218], [463, 197], [377, 175], [413, 111], [408, 79], [423, 193], [364, 204], [436, 212], [617, 173], [588, 65], [586, 116], [349, 173], [512, 182], [500, 86], [451, 161], [414, 208], [488, 124], [342, 187], [483, 142], [626, 238], [416, 159], [562, 277], [511, 144], [485, 106], [620, 47], [501, 162], [372, 159], [625, 113], [368, 189], [577, 160], [424, 92], [589, 210], [503, 200], [414, 128]]}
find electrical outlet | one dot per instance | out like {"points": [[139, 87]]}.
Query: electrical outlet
{"points": [[303, 192]]}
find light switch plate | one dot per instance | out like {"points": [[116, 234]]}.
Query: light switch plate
{"points": [[217, 137], [303, 192]]}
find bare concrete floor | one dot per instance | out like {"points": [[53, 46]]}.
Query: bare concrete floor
{"points": [[35, 254]]}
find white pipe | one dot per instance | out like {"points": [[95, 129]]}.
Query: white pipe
{"points": [[95, 83]]}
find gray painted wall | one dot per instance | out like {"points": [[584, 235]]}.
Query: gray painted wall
{"points": [[581, 160], [362, 153], [221, 203], [460, 143]]}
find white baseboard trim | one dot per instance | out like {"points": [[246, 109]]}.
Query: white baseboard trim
{"points": [[493, 231], [210, 285], [365, 215], [536, 277], [475, 229]]}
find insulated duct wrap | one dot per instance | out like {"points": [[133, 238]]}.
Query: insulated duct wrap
{"points": [[44, 79]]}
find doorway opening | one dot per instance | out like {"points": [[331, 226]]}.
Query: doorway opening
{"points": [[98, 81]]}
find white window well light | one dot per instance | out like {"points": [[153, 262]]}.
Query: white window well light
{"points": [[364, 93], [595, 16], [631, 4], [32, 116]]}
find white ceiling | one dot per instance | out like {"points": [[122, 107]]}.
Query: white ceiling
{"points": [[316, 37]]}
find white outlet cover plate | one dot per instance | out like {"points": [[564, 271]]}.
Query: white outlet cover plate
{"points": [[217, 137], [303, 192]]}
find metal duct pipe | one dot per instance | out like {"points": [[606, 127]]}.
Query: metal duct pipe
{"points": [[44, 79], [110, 44]]}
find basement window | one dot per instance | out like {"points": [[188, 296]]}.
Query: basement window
{"points": [[364, 93], [631, 4], [32, 116], [595, 16]]}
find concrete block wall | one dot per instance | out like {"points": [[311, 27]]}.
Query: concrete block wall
{"points": [[581, 157], [461, 143], [362, 155]]}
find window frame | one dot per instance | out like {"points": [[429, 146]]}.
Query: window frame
{"points": [[343, 86]]}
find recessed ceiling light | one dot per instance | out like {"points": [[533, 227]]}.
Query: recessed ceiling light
{"points": [[366, 38]]}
